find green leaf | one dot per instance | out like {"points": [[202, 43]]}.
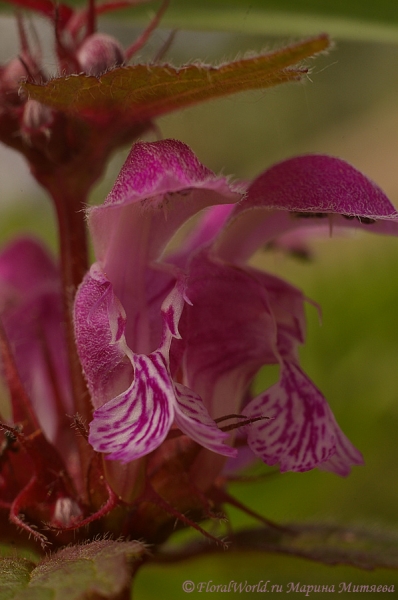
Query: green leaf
{"points": [[328, 544], [142, 92], [332, 545], [99, 569], [356, 19], [14, 576]]}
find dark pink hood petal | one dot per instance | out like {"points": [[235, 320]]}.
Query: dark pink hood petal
{"points": [[317, 183], [303, 192], [161, 185]]}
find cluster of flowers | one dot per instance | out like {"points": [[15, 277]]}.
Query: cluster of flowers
{"points": [[169, 341]]}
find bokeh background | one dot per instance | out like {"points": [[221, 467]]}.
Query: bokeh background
{"points": [[348, 107]]}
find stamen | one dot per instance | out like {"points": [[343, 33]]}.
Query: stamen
{"points": [[79, 425], [243, 423], [232, 416], [9, 442]]}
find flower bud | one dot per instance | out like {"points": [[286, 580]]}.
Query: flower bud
{"points": [[66, 512], [99, 53]]}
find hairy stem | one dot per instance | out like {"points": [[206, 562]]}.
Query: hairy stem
{"points": [[74, 264], [73, 251]]}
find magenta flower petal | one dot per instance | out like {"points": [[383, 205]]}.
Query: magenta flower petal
{"points": [[240, 320], [31, 312], [302, 432], [344, 457], [204, 233], [25, 266], [304, 191], [99, 328], [286, 303], [194, 420], [137, 422], [228, 333], [317, 183]]}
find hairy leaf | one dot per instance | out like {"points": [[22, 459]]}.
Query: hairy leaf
{"points": [[99, 569], [146, 91], [14, 576]]}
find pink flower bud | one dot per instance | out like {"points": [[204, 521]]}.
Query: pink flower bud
{"points": [[99, 53]]}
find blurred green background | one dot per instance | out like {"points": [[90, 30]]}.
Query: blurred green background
{"points": [[348, 107]]}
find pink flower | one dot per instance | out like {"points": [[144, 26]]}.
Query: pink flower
{"points": [[175, 339], [31, 314], [127, 311]]}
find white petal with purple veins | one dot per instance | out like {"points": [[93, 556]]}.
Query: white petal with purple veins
{"points": [[194, 420], [302, 433], [137, 421]]}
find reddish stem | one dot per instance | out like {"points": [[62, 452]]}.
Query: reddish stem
{"points": [[91, 18], [69, 206], [74, 265]]}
